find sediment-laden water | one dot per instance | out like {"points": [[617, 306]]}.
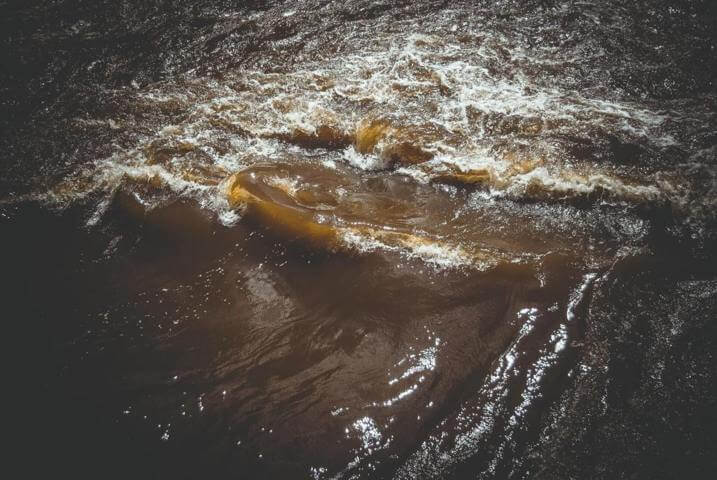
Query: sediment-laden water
{"points": [[363, 239]]}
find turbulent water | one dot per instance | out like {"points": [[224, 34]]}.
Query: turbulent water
{"points": [[359, 239]]}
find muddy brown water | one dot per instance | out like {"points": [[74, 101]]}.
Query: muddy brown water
{"points": [[361, 239]]}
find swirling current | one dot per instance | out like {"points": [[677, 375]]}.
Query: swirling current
{"points": [[360, 239]]}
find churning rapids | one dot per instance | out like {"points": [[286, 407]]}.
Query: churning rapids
{"points": [[362, 239]]}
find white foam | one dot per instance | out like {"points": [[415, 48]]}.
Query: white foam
{"points": [[435, 253], [368, 162], [409, 76]]}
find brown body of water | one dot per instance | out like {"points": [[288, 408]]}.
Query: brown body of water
{"points": [[362, 239]]}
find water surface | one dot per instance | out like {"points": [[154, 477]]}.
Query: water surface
{"points": [[363, 239]]}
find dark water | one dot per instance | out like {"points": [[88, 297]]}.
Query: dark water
{"points": [[360, 239]]}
